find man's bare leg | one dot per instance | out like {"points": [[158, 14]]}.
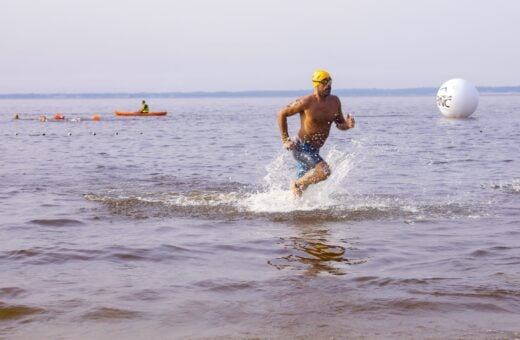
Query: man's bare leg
{"points": [[320, 173]]}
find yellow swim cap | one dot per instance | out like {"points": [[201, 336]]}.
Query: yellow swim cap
{"points": [[318, 76]]}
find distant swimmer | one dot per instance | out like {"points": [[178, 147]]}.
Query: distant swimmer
{"points": [[144, 107], [16, 116], [42, 119], [317, 113]]}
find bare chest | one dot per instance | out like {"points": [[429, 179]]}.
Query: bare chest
{"points": [[321, 113]]}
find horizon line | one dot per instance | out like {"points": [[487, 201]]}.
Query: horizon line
{"points": [[253, 93]]}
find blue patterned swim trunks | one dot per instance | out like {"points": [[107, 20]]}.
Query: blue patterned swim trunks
{"points": [[307, 157]]}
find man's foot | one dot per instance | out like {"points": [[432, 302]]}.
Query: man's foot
{"points": [[296, 190]]}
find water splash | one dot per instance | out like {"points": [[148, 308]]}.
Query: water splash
{"points": [[275, 195], [332, 199]]}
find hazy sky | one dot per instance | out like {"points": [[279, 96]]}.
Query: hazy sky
{"points": [[235, 45]]}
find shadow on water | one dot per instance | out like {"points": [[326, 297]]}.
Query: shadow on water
{"points": [[312, 251]]}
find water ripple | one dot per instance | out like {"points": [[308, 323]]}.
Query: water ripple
{"points": [[62, 222], [10, 292], [107, 313], [9, 312], [42, 256]]}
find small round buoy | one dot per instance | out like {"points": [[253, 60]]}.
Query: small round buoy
{"points": [[43, 134], [96, 117], [457, 98], [58, 116]]}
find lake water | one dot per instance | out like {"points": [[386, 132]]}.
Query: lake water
{"points": [[184, 227]]}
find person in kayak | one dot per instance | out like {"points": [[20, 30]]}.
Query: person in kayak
{"points": [[317, 113], [144, 107]]}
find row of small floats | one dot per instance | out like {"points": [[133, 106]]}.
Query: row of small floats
{"points": [[61, 117]]}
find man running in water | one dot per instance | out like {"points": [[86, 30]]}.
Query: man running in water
{"points": [[317, 113]]}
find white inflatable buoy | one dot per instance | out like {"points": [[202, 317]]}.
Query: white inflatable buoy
{"points": [[457, 98]]}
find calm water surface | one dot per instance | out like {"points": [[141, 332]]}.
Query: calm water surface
{"points": [[183, 226]]}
